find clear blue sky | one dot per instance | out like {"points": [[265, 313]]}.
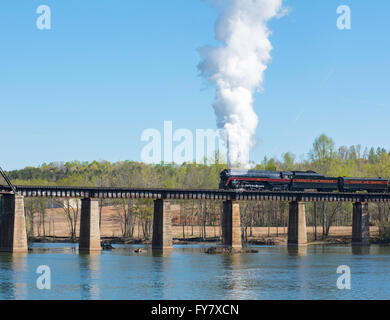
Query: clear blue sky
{"points": [[107, 70]]}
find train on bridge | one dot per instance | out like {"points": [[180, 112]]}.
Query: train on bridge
{"points": [[234, 179]]}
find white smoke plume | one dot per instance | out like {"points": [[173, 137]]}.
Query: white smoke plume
{"points": [[237, 68]]}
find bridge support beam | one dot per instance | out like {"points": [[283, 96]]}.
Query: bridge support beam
{"points": [[13, 235], [231, 225], [360, 223], [162, 225], [297, 234], [89, 226]]}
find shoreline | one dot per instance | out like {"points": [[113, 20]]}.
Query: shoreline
{"points": [[267, 241]]}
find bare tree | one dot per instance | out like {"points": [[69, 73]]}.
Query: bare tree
{"points": [[71, 209]]}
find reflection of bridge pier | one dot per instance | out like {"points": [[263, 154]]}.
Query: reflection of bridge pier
{"points": [[19, 281], [89, 265], [14, 283], [297, 251]]}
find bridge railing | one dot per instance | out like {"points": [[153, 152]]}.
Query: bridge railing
{"points": [[188, 194]]}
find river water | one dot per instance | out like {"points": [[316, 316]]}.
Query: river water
{"points": [[188, 273]]}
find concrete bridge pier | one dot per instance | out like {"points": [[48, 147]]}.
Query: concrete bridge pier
{"points": [[360, 223], [162, 225], [89, 226], [13, 235], [231, 225], [297, 234]]}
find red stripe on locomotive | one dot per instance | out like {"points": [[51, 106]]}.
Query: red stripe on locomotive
{"points": [[364, 182], [314, 181]]}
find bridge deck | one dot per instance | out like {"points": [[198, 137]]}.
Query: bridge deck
{"points": [[141, 193]]}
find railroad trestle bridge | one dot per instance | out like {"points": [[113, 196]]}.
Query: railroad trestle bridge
{"points": [[13, 237]]}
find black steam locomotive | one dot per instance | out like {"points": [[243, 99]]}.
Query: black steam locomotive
{"points": [[297, 181]]}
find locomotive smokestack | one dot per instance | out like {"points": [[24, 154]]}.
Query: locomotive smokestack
{"points": [[237, 68]]}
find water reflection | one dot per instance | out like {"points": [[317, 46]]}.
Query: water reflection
{"points": [[237, 279], [298, 272], [13, 268], [160, 267], [186, 272], [161, 253], [7, 286], [89, 264], [297, 251], [380, 249], [360, 249]]}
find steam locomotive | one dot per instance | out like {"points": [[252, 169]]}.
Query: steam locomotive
{"points": [[297, 181]]}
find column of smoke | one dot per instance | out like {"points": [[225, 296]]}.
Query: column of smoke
{"points": [[237, 70]]}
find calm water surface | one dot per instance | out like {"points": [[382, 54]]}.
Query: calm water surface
{"points": [[188, 273]]}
